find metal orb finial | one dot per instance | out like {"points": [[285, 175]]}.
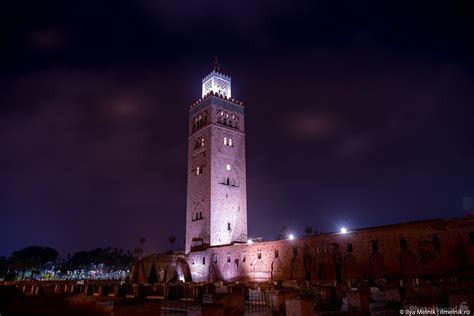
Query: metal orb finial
{"points": [[217, 67]]}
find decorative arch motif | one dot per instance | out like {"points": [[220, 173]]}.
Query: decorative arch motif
{"points": [[277, 271], [259, 271], [227, 271], [199, 121], [198, 212], [213, 273]]}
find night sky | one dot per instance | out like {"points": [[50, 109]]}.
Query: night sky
{"points": [[357, 114]]}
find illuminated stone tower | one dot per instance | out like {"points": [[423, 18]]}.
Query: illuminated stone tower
{"points": [[216, 210]]}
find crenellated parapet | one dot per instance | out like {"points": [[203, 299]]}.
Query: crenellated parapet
{"points": [[218, 95]]}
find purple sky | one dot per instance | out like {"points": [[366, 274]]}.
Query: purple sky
{"points": [[357, 114]]}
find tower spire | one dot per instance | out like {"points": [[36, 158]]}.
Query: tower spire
{"points": [[217, 67]]}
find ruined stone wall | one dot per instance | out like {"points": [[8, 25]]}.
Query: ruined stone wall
{"points": [[430, 249]]}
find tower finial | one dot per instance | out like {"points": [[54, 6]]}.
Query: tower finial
{"points": [[216, 68]]}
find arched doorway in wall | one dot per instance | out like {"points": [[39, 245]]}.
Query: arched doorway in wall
{"points": [[260, 271], [183, 271], [277, 271], [153, 276], [350, 267], [213, 273], [227, 272], [297, 271], [408, 264], [376, 266]]}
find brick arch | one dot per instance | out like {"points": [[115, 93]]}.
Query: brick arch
{"points": [[277, 270], [227, 271], [153, 275], [214, 274], [183, 267], [376, 266], [350, 267], [408, 264], [297, 271]]}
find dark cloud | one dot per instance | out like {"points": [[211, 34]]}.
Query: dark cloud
{"points": [[312, 126], [357, 114]]}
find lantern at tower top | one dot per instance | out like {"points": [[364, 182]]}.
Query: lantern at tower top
{"points": [[217, 82]]}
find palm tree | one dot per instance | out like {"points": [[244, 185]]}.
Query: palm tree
{"points": [[140, 250], [172, 240], [284, 233]]}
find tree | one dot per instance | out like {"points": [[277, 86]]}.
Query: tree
{"points": [[32, 258], [140, 250], [3, 266], [110, 259], [172, 240], [284, 233], [308, 230]]}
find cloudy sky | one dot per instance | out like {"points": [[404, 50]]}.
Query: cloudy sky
{"points": [[357, 114]]}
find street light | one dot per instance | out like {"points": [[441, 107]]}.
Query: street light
{"points": [[343, 230], [291, 237]]}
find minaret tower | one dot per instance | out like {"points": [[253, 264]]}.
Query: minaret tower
{"points": [[216, 210]]}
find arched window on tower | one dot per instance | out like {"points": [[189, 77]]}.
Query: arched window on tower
{"points": [[228, 226]]}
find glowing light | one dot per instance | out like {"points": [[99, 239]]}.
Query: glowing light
{"points": [[343, 230], [291, 237], [249, 242], [217, 83], [227, 167]]}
